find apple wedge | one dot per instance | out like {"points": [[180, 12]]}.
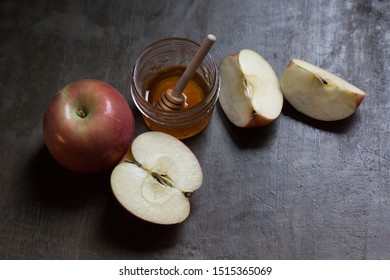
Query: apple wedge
{"points": [[250, 92], [318, 93], [156, 179]]}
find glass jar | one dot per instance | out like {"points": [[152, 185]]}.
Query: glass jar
{"points": [[156, 58]]}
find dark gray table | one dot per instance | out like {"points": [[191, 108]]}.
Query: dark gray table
{"points": [[296, 189]]}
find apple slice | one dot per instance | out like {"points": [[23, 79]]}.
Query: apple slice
{"points": [[157, 178], [250, 92], [318, 93]]}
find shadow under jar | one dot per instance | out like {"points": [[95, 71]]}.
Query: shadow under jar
{"points": [[157, 69]]}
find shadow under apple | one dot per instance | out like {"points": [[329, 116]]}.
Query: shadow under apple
{"points": [[248, 138], [61, 190], [340, 126], [59, 187], [124, 230]]}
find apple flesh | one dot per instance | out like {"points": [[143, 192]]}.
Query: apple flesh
{"points": [[156, 178], [250, 92], [318, 93], [88, 126]]}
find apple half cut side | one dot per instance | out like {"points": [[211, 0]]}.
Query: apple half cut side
{"points": [[250, 92], [318, 93], [156, 179]]}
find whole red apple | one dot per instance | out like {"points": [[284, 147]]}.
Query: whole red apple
{"points": [[88, 126]]}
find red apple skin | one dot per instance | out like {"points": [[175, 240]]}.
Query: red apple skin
{"points": [[258, 121], [93, 142]]}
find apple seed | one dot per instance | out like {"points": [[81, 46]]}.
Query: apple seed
{"points": [[322, 80], [133, 162], [162, 179]]}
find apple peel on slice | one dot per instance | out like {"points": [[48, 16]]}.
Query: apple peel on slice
{"points": [[250, 92], [319, 93], [156, 180]]}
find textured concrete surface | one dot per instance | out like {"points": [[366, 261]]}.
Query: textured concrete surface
{"points": [[296, 189]]}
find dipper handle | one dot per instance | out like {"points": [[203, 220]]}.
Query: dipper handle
{"points": [[194, 64], [174, 99]]}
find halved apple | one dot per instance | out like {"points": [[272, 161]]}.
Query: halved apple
{"points": [[250, 92], [318, 93], [156, 179]]}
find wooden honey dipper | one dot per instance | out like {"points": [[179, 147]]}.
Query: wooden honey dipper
{"points": [[173, 99]]}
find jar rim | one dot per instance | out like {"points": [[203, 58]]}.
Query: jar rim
{"points": [[169, 40]]}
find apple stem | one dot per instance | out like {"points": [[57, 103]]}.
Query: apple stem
{"points": [[187, 194], [81, 112]]}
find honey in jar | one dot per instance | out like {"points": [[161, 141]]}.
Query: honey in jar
{"points": [[157, 69], [194, 92]]}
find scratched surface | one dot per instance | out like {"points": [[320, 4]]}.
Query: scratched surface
{"points": [[296, 189]]}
